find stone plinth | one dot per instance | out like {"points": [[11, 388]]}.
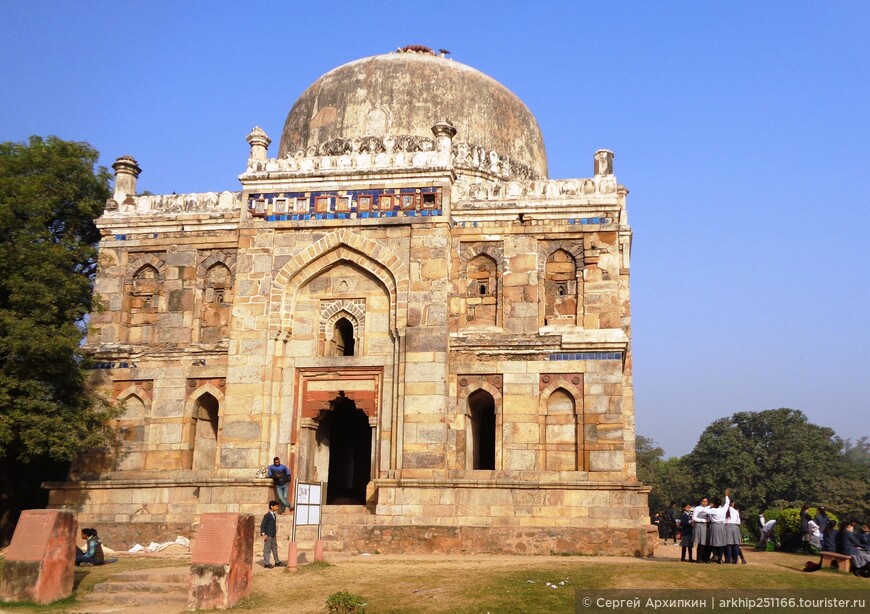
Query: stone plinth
{"points": [[40, 562], [222, 559]]}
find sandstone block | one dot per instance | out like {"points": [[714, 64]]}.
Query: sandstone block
{"points": [[40, 561], [222, 559], [606, 460]]}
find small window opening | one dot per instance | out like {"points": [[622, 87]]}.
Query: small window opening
{"points": [[342, 337], [481, 289]]}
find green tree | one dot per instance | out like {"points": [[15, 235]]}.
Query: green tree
{"points": [[50, 194], [848, 483], [668, 478], [767, 456]]}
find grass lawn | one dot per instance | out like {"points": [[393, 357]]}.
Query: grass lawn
{"points": [[495, 584]]}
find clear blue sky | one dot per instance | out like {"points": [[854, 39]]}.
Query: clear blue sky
{"points": [[741, 129]]}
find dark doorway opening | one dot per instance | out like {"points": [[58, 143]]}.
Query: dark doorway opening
{"points": [[482, 410], [347, 430], [342, 336]]}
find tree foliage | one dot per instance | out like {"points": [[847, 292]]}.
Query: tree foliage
{"points": [[50, 194], [773, 455], [668, 478], [770, 459]]}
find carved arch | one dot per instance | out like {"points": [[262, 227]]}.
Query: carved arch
{"points": [[547, 248], [342, 246], [566, 385], [228, 259], [350, 311], [143, 260]]}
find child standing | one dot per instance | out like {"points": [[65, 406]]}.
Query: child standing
{"points": [[686, 542]]}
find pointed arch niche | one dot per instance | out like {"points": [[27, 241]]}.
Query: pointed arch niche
{"points": [[480, 401], [560, 269], [131, 427], [562, 423], [480, 269], [214, 281], [143, 291], [203, 428]]}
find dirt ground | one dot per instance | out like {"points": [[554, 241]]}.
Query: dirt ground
{"points": [[437, 583]]}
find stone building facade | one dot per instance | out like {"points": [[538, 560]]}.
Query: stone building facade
{"points": [[401, 304]]}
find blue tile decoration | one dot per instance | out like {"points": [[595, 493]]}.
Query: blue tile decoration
{"points": [[113, 365], [309, 199], [585, 356]]}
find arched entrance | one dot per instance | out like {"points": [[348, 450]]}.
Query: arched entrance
{"points": [[345, 430]]}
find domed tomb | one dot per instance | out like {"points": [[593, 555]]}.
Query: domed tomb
{"points": [[403, 94]]}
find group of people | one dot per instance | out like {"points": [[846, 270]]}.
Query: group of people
{"points": [[708, 532], [822, 533]]}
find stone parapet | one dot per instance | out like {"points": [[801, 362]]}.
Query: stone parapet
{"points": [[202, 202]]}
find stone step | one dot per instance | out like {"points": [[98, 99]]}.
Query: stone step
{"points": [[166, 588], [165, 601], [141, 587], [171, 575]]}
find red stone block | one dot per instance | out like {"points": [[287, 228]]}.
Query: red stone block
{"points": [[40, 561], [222, 561]]}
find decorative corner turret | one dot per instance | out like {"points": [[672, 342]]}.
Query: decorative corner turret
{"points": [[259, 142], [603, 162], [126, 173], [444, 132]]}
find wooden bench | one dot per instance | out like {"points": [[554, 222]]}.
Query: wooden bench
{"points": [[844, 561]]}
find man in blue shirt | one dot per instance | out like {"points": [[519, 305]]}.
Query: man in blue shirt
{"points": [[280, 474]]}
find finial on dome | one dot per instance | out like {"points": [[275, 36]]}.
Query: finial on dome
{"points": [[416, 49], [259, 142]]}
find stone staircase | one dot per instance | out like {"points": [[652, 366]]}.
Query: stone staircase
{"points": [[159, 590], [338, 521]]}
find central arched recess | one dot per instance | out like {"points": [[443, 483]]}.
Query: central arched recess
{"points": [[348, 435]]}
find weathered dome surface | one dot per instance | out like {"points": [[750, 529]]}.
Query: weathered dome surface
{"points": [[404, 94]]}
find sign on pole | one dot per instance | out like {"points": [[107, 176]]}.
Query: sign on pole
{"points": [[309, 504]]}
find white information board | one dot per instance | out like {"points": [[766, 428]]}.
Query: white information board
{"points": [[309, 500]]}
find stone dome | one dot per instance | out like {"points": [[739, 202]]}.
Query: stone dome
{"points": [[404, 94]]}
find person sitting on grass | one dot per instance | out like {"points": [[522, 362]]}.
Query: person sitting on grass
{"points": [[93, 553]]}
